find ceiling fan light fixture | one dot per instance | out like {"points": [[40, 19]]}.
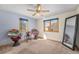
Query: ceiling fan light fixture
{"points": [[38, 10]]}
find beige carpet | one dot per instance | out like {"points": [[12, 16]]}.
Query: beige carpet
{"points": [[40, 47]]}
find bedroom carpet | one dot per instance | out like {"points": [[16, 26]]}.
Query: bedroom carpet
{"points": [[38, 47]]}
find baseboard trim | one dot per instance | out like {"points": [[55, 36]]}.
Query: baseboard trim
{"points": [[10, 44], [54, 40]]}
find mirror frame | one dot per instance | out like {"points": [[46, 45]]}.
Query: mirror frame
{"points": [[74, 39]]}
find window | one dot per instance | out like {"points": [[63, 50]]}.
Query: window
{"points": [[51, 25], [23, 26]]}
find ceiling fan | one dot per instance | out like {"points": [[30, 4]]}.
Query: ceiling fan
{"points": [[37, 10]]}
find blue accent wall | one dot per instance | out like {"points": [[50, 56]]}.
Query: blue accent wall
{"points": [[9, 20]]}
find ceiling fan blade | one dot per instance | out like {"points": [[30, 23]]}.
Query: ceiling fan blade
{"points": [[34, 14], [44, 10], [31, 10]]}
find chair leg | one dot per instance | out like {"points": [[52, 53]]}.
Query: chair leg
{"points": [[16, 43]]}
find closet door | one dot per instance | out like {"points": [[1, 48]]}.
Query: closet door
{"points": [[69, 32]]}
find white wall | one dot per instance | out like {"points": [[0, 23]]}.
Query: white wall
{"points": [[9, 20], [58, 36]]}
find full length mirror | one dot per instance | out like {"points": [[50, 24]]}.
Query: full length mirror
{"points": [[69, 32]]}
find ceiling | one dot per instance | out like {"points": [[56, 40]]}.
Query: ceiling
{"points": [[53, 8]]}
